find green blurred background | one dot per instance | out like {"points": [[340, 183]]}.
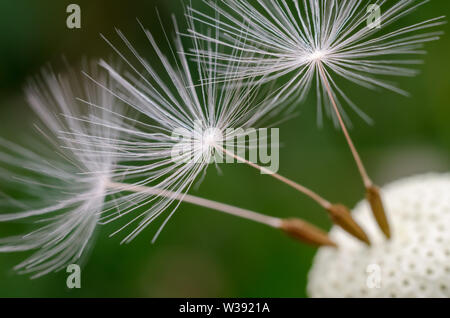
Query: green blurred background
{"points": [[202, 253]]}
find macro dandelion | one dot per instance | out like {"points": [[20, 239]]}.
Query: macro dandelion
{"points": [[126, 142], [316, 43]]}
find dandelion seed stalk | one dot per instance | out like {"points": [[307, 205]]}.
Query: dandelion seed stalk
{"points": [[338, 212], [295, 228], [372, 192], [311, 194], [242, 213]]}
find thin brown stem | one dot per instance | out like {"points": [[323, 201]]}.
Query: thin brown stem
{"points": [[320, 200], [296, 228], [362, 170], [372, 191], [339, 213], [221, 207]]}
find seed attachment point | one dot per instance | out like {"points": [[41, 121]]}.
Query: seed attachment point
{"points": [[376, 203], [341, 216], [306, 232]]}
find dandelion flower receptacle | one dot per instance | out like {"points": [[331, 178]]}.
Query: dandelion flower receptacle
{"points": [[414, 263]]}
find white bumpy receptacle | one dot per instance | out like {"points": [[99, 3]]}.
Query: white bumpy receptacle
{"points": [[414, 263]]}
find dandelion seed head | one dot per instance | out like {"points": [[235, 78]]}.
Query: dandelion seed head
{"points": [[212, 137], [103, 181], [317, 56], [297, 38], [184, 114], [414, 263], [62, 176]]}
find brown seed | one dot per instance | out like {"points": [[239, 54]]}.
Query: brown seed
{"points": [[306, 232], [342, 217], [376, 203]]}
